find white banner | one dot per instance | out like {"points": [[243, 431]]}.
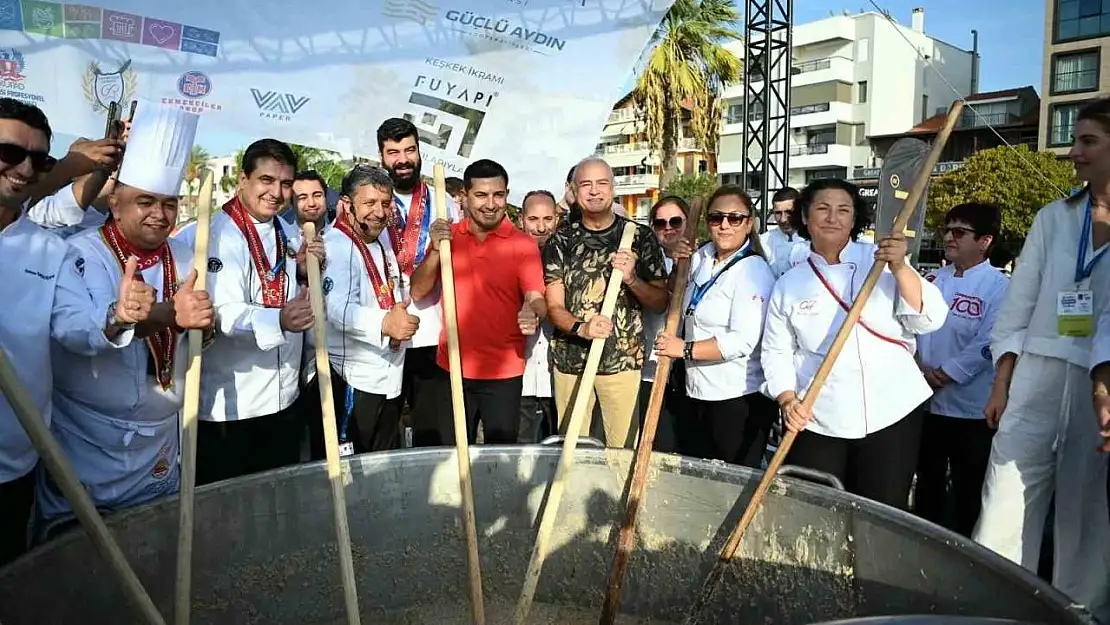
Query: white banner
{"points": [[528, 83]]}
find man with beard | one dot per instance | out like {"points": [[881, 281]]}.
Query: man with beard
{"points": [[252, 371], [408, 235], [42, 286], [779, 242], [499, 301], [578, 261], [310, 202], [539, 218], [116, 414], [367, 311]]}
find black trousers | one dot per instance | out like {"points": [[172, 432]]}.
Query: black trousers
{"points": [[494, 403], [665, 431], [733, 430], [232, 449], [960, 448], [17, 498], [374, 422], [418, 388], [538, 419], [879, 466]]}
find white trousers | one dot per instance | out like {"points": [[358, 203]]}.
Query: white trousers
{"points": [[1048, 441]]}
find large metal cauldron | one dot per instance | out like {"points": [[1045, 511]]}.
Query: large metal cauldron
{"points": [[264, 548]]}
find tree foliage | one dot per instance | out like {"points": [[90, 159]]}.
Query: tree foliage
{"points": [[690, 186], [1018, 180]]}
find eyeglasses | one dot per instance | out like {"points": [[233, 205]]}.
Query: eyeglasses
{"points": [[673, 222], [13, 155], [734, 219], [957, 232]]}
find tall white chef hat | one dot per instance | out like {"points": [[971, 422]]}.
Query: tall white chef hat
{"points": [[158, 148]]}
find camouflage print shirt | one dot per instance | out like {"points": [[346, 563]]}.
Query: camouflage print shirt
{"points": [[580, 259]]}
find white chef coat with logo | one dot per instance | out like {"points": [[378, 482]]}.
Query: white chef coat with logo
{"points": [[45, 298], [537, 366], [962, 347], [875, 381]]}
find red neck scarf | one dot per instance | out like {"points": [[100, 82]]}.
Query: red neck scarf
{"points": [[163, 343], [383, 288], [273, 279], [406, 244]]}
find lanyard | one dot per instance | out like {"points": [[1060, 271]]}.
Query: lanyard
{"points": [[701, 289], [1083, 271]]}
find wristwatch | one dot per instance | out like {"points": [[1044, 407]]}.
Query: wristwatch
{"points": [[688, 351], [575, 327], [114, 320]]}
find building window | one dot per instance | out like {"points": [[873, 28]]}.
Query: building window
{"points": [[1062, 123], [821, 174], [863, 92], [863, 50], [1081, 19], [1075, 72]]}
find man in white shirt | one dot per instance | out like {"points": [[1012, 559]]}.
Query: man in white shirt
{"points": [[407, 234], [369, 320], [539, 217], [41, 282], [779, 242], [252, 372], [956, 361], [116, 414]]}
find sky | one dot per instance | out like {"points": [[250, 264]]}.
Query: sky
{"points": [[1011, 35]]}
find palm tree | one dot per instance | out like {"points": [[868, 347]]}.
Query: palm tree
{"points": [[198, 157], [687, 67]]}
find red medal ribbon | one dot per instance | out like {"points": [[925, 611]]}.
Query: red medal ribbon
{"points": [[405, 243], [163, 343], [273, 282], [846, 307], [383, 289]]}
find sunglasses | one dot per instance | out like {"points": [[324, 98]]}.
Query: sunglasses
{"points": [[673, 222], [13, 155], [957, 232], [734, 219]]}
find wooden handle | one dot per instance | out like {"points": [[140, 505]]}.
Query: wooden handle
{"points": [[627, 540], [566, 460], [458, 409], [189, 413], [916, 193], [331, 436], [54, 459]]}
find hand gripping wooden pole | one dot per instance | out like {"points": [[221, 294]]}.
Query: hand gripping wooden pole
{"points": [[627, 540], [331, 435], [189, 413], [54, 459], [574, 427], [733, 543], [458, 409]]}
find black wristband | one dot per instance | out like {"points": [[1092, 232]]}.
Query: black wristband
{"points": [[688, 351], [575, 327]]}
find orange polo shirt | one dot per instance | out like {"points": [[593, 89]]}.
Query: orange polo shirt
{"points": [[491, 278]]}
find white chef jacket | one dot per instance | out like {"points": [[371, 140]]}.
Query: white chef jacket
{"points": [[44, 293], [57, 211], [356, 346], [537, 365], [777, 246], [253, 367], [654, 323], [874, 383], [428, 310], [962, 347], [116, 424], [731, 311]]}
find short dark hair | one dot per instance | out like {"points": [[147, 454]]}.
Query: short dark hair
{"points": [[312, 174], [362, 175], [537, 193], [785, 194], [29, 114], [737, 191], [984, 219], [481, 169], [396, 129], [454, 185], [860, 209], [669, 199], [267, 148]]}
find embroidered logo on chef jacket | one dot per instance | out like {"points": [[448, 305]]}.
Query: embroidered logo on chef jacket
{"points": [[162, 465], [327, 285], [807, 307], [967, 306], [79, 264], [214, 265], [986, 352]]}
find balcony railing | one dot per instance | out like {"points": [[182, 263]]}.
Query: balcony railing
{"points": [[635, 180], [812, 66], [622, 115], [626, 148], [822, 107], [970, 119], [813, 148], [688, 143]]}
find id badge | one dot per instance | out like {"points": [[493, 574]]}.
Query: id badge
{"points": [[346, 449], [1075, 313]]}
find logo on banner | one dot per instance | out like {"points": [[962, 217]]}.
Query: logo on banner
{"points": [[448, 115], [505, 32], [278, 106], [194, 84], [12, 66], [104, 87]]}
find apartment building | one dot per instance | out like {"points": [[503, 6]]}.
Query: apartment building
{"points": [[1077, 39], [854, 76]]}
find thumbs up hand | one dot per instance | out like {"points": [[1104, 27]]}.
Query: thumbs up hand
{"points": [[136, 298], [398, 324], [192, 309], [296, 315], [527, 319]]}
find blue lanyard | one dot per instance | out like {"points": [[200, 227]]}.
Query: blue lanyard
{"points": [[348, 409], [281, 251], [425, 224], [701, 289], [1082, 272]]}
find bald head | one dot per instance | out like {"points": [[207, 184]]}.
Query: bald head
{"points": [[593, 186]]}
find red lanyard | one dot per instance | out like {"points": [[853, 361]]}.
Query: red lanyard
{"points": [[383, 289], [406, 243], [273, 279], [846, 307]]}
